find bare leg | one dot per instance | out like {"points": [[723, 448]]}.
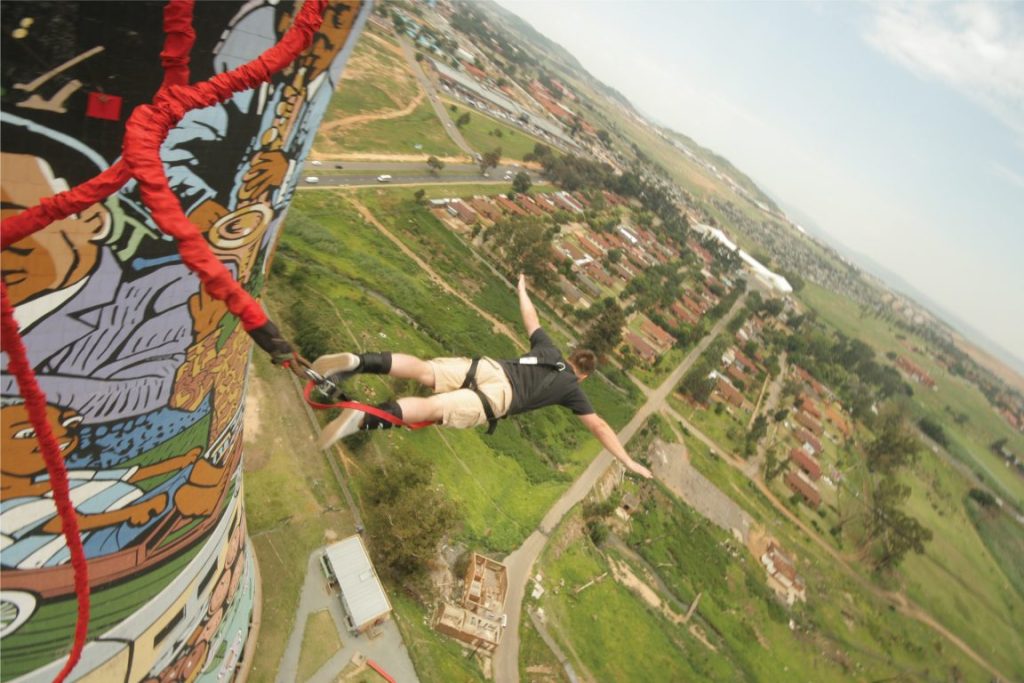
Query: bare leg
{"points": [[404, 366], [415, 409]]}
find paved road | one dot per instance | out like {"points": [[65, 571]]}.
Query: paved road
{"points": [[387, 649], [403, 173], [520, 562], [435, 101]]}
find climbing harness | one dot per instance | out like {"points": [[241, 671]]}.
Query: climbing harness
{"points": [[470, 383]]}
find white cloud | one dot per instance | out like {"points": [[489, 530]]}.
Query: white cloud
{"points": [[976, 48]]}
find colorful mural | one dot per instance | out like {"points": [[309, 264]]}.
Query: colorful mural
{"points": [[144, 373]]}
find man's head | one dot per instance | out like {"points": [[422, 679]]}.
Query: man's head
{"points": [[35, 166], [583, 362]]}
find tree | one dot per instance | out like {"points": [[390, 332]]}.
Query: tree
{"points": [[419, 195], [435, 164], [490, 159], [604, 137], [696, 382], [420, 57], [409, 516], [522, 183], [604, 333], [895, 445], [462, 120], [525, 245]]}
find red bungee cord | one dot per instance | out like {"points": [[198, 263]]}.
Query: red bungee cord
{"points": [[144, 133]]}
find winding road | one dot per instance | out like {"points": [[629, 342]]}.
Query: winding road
{"points": [[520, 562]]}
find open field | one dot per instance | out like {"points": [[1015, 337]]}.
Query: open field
{"points": [[968, 442], [484, 133], [380, 107], [319, 643]]}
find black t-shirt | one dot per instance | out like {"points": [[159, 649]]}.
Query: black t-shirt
{"points": [[528, 390]]}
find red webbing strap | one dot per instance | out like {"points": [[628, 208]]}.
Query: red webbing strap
{"points": [[35, 406], [356, 405]]}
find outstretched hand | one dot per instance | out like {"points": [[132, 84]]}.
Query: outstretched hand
{"points": [[637, 468], [521, 285]]}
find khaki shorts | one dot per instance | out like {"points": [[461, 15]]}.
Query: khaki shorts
{"points": [[461, 408]]}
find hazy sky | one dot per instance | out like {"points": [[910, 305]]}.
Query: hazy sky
{"points": [[898, 128]]}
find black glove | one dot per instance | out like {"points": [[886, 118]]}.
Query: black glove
{"points": [[269, 338]]}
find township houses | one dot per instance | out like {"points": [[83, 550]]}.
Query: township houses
{"points": [[478, 622], [684, 314], [745, 363], [566, 201], [528, 205], [486, 208], [798, 482], [465, 214], [915, 372], [737, 375], [810, 466], [508, 206], [809, 422], [817, 387], [805, 437], [659, 336], [572, 294], [641, 347], [700, 251], [807, 405], [834, 416], [588, 246], [726, 391], [782, 575]]}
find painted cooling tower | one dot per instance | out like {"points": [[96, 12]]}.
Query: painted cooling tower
{"points": [[144, 373]]}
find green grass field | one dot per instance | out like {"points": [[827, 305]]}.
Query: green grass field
{"points": [[503, 483], [484, 133], [392, 136], [291, 503], [319, 643], [362, 90]]}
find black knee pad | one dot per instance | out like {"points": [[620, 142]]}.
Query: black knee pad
{"points": [[375, 363]]}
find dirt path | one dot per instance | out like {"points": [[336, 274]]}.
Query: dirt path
{"points": [[382, 115], [498, 326]]}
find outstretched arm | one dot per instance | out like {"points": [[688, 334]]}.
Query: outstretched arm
{"points": [[526, 309], [606, 435]]}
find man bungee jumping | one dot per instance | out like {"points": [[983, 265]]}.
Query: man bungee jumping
{"points": [[472, 392]]}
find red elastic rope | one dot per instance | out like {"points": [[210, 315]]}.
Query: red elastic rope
{"points": [[149, 124], [356, 405], [179, 37], [35, 406]]}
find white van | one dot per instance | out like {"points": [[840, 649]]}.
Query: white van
{"points": [[312, 180], [383, 179]]}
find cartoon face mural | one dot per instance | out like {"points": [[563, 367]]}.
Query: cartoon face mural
{"points": [[144, 373]]}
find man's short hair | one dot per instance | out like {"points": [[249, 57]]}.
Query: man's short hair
{"points": [[584, 360]]}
